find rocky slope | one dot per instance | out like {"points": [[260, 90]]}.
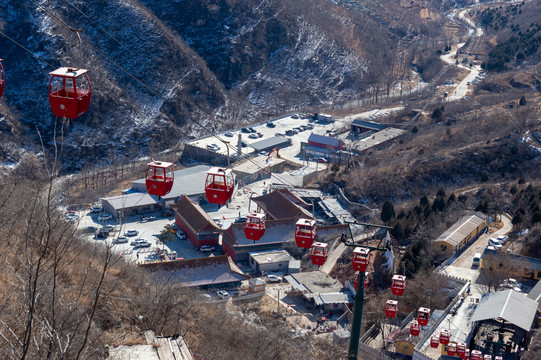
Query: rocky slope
{"points": [[157, 65]]}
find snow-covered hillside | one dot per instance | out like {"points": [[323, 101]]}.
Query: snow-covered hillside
{"points": [[157, 65]]}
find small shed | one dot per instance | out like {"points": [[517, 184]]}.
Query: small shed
{"points": [[274, 260], [325, 118], [256, 285]]}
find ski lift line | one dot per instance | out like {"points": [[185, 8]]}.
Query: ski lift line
{"points": [[99, 51], [21, 46], [99, 27]]}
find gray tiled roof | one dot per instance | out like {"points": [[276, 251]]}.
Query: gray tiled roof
{"points": [[510, 305], [462, 228]]}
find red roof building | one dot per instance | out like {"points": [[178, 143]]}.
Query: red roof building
{"points": [[196, 223], [325, 142]]}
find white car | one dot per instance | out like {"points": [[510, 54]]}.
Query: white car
{"points": [[181, 235], [95, 209], [496, 243], [131, 233], [222, 294], [104, 217], [120, 240], [206, 248], [503, 239], [511, 284], [273, 279], [140, 243]]}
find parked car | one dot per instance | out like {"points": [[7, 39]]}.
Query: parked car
{"points": [[273, 279], [102, 235], [511, 284], [322, 160], [476, 260], [105, 217], [243, 143], [259, 134], [245, 130], [218, 221], [167, 213], [109, 227], [309, 126], [222, 294], [140, 243], [290, 133], [131, 233], [253, 136], [120, 240], [295, 116], [95, 209], [252, 130], [207, 248], [181, 235], [239, 220], [213, 147], [503, 239], [91, 229], [279, 134], [496, 243], [271, 125], [228, 134], [72, 217]]}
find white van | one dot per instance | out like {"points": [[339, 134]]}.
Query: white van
{"points": [[476, 260]]}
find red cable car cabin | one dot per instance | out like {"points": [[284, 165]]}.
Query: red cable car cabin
{"points": [[2, 78], [391, 308], [423, 315], [476, 355], [254, 227], [159, 178], [69, 92], [451, 349], [361, 258], [318, 254], [434, 341], [415, 328], [466, 355], [398, 285], [461, 349], [487, 357], [356, 281], [498, 358], [445, 335], [219, 185], [305, 233]]}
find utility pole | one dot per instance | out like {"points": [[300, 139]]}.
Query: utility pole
{"points": [[278, 300]]}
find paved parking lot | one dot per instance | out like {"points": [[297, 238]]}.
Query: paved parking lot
{"points": [[148, 230]]}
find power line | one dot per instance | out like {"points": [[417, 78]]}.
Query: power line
{"points": [[61, 22], [100, 28], [21, 46]]}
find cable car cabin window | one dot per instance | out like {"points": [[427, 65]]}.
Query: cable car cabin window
{"points": [[82, 85], [156, 174]]}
